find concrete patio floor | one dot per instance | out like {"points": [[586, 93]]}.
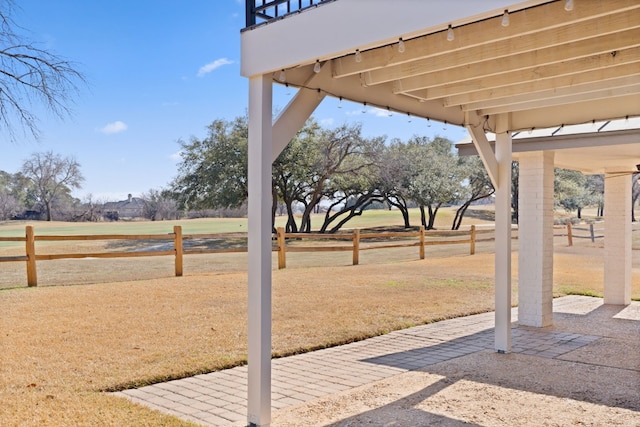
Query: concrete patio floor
{"points": [[587, 336]]}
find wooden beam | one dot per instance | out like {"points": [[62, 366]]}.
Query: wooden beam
{"points": [[475, 127], [549, 71], [350, 89], [606, 78], [523, 22], [525, 61], [580, 112], [293, 117], [581, 35], [296, 113], [604, 94]]}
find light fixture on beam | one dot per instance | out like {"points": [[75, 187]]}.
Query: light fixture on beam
{"points": [[358, 56], [505, 18], [450, 35], [568, 5], [401, 46], [316, 67], [282, 77]]}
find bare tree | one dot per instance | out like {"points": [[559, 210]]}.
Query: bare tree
{"points": [[53, 177], [158, 205], [9, 206], [30, 75]]}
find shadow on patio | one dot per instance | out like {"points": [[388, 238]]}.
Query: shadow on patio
{"points": [[583, 370]]}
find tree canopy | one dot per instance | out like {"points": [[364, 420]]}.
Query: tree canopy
{"points": [[336, 171], [52, 177]]}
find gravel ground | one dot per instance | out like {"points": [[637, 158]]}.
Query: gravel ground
{"points": [[595, 385]]}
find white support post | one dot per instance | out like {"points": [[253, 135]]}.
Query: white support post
{"points": [[535, 235], [259, 248], [617, 239], [503, 237]]}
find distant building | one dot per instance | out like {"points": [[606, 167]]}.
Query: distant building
{"points": [[131, 208]]}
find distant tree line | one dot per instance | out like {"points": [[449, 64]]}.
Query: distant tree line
{"points": [[340, 173], [334, 172], [337, 172]]}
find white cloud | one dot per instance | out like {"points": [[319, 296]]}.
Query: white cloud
{"points": [[379, 112], [115, 127], [374, 111], [327, 122], [357, 112], [206, 69]]}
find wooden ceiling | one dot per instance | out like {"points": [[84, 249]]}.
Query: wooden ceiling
{"points": [[544, 65]]}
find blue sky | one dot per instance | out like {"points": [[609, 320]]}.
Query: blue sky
{"points": [[157, 72]]}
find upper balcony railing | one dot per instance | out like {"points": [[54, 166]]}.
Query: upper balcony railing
{"points": [[261, 11]]}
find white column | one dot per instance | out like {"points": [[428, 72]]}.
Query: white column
{"points": [[535, 239], [617, 239], [259, 304], [503, 237]]}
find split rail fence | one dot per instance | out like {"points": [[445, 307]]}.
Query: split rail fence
{"points": [[569, 231], [284, 243], [381, 240]]}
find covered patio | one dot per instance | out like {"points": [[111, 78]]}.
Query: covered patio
{"points": [[444, 373], [490, 66]]}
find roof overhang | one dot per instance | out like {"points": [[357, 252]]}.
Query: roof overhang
{"points": [[582, 148], [550, 66]]}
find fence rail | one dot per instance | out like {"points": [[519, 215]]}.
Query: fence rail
{"points": [[570, 232], [359, 241], [356, 237]]}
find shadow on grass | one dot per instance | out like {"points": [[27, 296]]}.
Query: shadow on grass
{"points": [[481, 214], [187, 244]]}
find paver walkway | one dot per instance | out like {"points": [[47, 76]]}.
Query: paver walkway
{"points": [[220, 398]]}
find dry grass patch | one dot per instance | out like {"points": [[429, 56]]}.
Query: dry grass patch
{"points": [[62, 345]]}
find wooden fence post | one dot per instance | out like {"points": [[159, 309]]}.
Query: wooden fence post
{"points": [[356, 246], [177, 243], [282, 249], [422, 242], [593, 234], [472, 244], [32, 276], [569, 234]]}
